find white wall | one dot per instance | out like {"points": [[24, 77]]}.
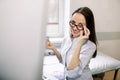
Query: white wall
{"points": [[22, 39], [110, 47], [107, 21]]}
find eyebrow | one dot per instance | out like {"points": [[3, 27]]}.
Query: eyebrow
{"points": [[79, 22]]}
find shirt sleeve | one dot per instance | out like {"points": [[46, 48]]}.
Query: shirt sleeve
{"points": [[85, 56], [62, 47]]}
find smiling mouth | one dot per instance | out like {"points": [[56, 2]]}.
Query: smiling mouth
{"points": [[75, 32]]}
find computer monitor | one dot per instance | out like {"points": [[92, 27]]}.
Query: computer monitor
{"points": [[22, 39]]}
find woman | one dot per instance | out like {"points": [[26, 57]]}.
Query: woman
{"points": [[79, 47]]}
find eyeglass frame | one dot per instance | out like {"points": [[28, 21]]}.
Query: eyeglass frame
{"points": [[77, 26]]}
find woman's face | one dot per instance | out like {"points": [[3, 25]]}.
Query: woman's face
{"points": [[77, 19]]}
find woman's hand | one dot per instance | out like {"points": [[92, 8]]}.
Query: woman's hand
{"points": [[84, 35], [49, 45]]}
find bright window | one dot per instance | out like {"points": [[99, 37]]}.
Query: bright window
{"points": [[55, 19]]}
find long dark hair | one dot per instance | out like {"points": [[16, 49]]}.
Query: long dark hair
{"points": [[88, 14]]}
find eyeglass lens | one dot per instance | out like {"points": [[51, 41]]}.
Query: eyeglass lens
{"points": [[79, 26]]}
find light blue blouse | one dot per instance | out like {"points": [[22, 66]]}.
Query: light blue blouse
{"points": [[82, 72]]}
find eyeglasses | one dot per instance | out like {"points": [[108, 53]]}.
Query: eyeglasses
{"points": [[79, 26]]}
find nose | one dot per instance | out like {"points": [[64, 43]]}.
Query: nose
{"points": [[75, 27]]}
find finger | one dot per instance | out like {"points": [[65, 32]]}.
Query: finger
{"points": [[88, 32], [84, 28], [81, 33], [48, 43], [85, 32]]}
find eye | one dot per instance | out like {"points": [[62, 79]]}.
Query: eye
{"points": [[80, 26], [72, 23]]}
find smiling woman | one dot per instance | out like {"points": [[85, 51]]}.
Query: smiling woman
{"points": [[79, 47]]}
